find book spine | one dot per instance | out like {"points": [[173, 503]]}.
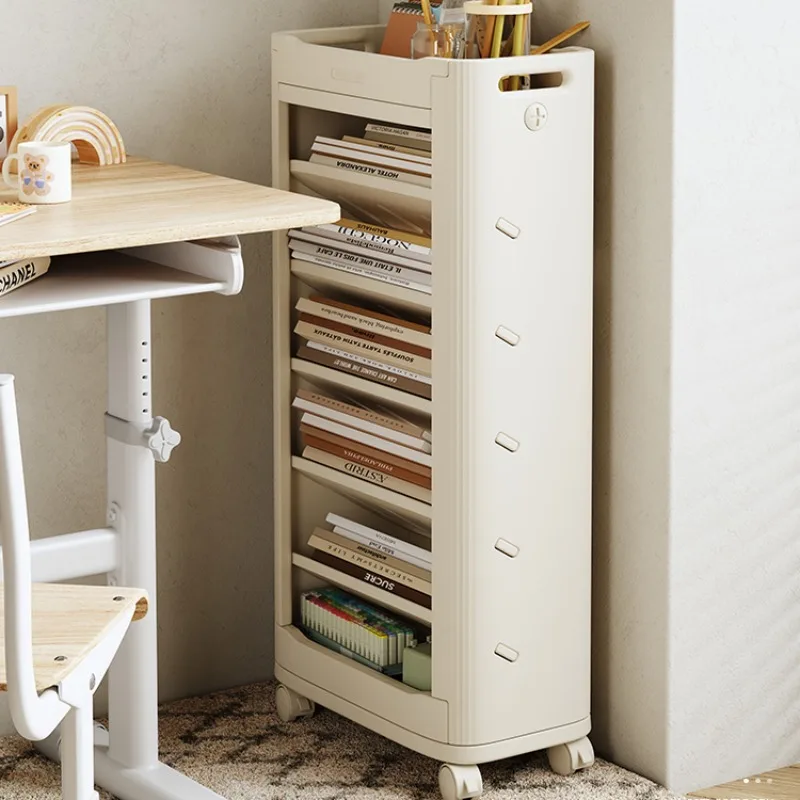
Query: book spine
{"points": [[397, 148], [370, 362], [346, 553], [393, 422], [424, 242], [373, 158], [395, 135], [350, 144], [380, 547], [350, 330], [360, 247], [372, 476], [364, 371], [353, 454], [381, 455], [334, 537], [364, 272], [364, 348], [18, 273], [373, 579], [362, 437], [385, 538], [371, 171], [366, 318], [331, 253], [353, 421]]}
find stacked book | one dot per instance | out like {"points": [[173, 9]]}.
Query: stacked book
{"points": [[396, 257], [376, 446], [385, 151], [383, 561], [356, 629], [366, 343]]}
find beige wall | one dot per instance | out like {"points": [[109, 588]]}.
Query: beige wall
{"points": [[186, 81]]}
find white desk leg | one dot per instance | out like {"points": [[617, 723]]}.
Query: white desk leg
{"points": [[128, 765]]}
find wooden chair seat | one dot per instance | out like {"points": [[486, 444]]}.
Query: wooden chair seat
{"points": [[68, 623]]}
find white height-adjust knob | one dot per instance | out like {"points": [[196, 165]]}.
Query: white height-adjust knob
{"points": [[162, 439]]}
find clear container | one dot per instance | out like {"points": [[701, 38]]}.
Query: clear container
{"points": [[438, 41], [494, 31]]}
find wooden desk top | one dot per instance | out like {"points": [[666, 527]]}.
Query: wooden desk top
{"points": [[146, 202]]}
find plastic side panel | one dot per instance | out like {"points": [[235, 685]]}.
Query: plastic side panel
{"points": [[489, 165], [387, 698], [300, 61]]}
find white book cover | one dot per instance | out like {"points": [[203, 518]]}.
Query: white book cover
{"points": [[372, 150], [381, 158], [362, 424], [368, 439], [393, 541], [364, 273], [375, 544], [370, 171], [359, 260], [359, 247], [369, 362], [384, 240]]}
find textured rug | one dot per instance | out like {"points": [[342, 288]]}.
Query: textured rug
{"points": [[234, 743]]}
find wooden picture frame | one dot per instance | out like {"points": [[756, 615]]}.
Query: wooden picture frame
{"points": [[8, 118]]}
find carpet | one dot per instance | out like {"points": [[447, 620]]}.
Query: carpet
{"points": [[234, 743]]}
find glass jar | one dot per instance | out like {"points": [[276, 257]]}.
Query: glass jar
{"points": [[438, 41]]}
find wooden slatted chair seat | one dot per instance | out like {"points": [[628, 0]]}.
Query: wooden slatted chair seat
{"points": [[68, 623]]}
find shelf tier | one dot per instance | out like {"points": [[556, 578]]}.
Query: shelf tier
{"points": [[363, 492], [361, 387], [404, 206], [326, 279], [362, 589], [101, 279]]}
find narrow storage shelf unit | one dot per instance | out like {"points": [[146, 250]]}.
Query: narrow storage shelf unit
{"points": [[506, 337]]}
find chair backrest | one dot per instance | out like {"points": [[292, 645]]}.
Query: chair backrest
{"points": [[34, 715]]}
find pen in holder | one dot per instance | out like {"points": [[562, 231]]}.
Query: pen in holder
{"points": [[495, 30]]}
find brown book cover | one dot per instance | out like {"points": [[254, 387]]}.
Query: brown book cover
{"points": [[376, 555], [398, 344], [363, 473], [364, 348], [368, 312], [400, 382], [389, 458], [383, 418], [376, 580], [353, 454], [351, 551]]}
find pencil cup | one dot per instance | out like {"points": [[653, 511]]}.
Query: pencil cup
{"points": [[494, 30], [438, 41]]}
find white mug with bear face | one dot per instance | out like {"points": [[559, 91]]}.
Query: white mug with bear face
{"points": [[44, 172]]}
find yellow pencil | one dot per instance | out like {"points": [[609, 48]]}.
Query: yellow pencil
{"points": [[560, 39], [497, 39], [519, 46], [488, 33], [426, 12]]}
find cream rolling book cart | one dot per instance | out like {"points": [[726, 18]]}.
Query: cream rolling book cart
{"points": [[510, 213]]}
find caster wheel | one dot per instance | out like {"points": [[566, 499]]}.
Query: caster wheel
{"points": [[457, 782], [566, 759], [101, 737], [292, 706]]}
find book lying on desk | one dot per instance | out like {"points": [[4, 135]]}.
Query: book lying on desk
{"points": [[14, 274], [13, 211]]}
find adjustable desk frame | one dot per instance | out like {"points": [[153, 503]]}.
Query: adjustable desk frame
{"points": [[125, 207]]}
